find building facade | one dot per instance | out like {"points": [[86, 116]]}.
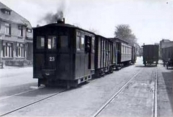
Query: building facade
{"points": [[15, 37], [164, 43]]}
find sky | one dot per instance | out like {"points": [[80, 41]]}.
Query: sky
{"points": [[149, 20]]}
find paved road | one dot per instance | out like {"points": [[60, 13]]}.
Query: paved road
{"points": [[136, 99], [165, 92], [16, 80]]}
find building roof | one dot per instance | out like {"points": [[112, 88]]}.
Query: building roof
{"points": [[167, 44], [13, 17]]}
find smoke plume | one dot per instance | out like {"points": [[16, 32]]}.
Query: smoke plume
{"points": [[53, 17]]}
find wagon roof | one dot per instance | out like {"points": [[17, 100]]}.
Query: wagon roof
{"points": [[101, 36], [150, 45], [63, 25], [118, 40]]}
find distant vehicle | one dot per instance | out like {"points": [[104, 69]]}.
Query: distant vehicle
{"points": [[150, 54], [167, 56], [66, 55]]}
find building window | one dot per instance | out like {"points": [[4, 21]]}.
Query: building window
{"points": [[20, 50], [7, 50], [6, 11], [7, 29], [20, 31], [29, 30]]}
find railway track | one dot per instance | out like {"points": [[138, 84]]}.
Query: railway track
{"points": [[114, 95], [154, 107], [106, 103], [37, 101], [155, 95], [45, 98]]}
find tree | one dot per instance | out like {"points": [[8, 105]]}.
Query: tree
{"points": [[124, 32]]}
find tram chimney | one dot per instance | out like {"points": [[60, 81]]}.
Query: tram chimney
{"points": [[60, 17], [61, 21]]}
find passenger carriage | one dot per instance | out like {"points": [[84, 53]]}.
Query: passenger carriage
{"points": [[123, 53]]}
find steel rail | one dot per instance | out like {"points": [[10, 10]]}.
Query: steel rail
{"points": [[115, 94]]}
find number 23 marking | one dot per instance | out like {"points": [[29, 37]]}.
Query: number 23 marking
{"points": [[51, 58]]}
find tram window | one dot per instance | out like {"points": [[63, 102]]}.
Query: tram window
{"points": [[51, 42], [82, 46], [64, 41], [78, 41], [40, 42], [93, 45]]}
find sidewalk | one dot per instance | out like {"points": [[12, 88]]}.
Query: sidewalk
{"points": [[165, 92], [8, 71]]}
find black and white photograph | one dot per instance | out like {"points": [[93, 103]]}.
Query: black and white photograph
{"points": [[86, 58]]}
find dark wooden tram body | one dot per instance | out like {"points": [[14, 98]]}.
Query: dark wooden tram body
{"points": [[103, 56], [63, 54]]}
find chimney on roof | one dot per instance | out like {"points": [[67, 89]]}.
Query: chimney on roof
{"points": [[61, 21]]}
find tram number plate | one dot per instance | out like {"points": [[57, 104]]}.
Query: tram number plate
{"points": [[51, 58]]}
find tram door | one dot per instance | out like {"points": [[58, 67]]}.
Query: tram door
{"points": [[88, 45], [50, 53]]}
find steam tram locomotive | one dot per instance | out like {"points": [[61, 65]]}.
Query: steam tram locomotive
{"points": [[66, 55]]}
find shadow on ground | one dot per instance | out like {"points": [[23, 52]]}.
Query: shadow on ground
{"points": [[168, 78], [46, 90], [148, 66], [32, 90], [11, 90]]}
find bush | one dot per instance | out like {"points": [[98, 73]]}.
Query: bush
{"points": [[18, 63]]}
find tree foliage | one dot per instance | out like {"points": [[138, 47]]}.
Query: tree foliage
{"points": [[124, 32]]}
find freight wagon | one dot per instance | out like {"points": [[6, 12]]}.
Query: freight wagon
{"points": [[150, 54], [167, 56], [103, 56]]}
